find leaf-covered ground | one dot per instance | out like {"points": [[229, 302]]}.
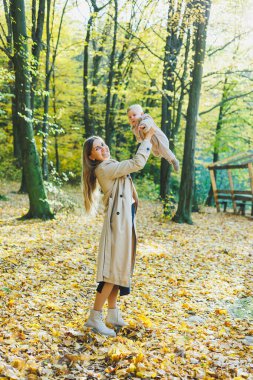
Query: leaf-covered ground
{"points": [[180, 317]]}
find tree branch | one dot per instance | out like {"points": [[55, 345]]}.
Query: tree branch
{"points": [[58, 38], [143, 43], [226, 44], [144, 66], [98, 9], [225, 101], [227, 72], [6, 52]]}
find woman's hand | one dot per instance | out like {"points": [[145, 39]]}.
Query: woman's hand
{"points": [[149, 134]]}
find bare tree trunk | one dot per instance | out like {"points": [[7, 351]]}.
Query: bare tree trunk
{"points": [[88, 125], [56, 147], [216, 148], [46, 97], [37, 31], [150, 103], [49, 69], [183, 214], [97, 59], [108, 126], [183, 89], [172, 48]]}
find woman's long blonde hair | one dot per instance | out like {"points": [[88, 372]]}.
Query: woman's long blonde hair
{"points": [[89, 180]]}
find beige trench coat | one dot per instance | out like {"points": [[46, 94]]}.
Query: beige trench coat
{"points": [[117, 247]]}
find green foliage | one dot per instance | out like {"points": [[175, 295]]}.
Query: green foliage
{"points": [[169, 206], [3, 198], [146, 188], [59, 199], [140, 82]]}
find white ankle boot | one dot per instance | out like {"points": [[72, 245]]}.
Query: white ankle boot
{"points": [[114, 318], [95, 321]]}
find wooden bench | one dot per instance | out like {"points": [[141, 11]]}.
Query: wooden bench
{"points": [[238, 198]]}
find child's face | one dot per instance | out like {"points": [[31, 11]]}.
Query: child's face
{"points": [[133, 117]]}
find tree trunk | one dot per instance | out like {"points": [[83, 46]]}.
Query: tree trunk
{"points": [[216, 149], [183, 86], [151, 102], [48, 72], [97, 59], [39, 207], [183, 214], [46, 98], [172, 48], [16, 142], [120, 79], [195, 204], [108, 126], [56, 147], [23, 187], [88, 125], [37, 31]]}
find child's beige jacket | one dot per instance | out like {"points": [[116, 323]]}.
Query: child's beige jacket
{"points": [[160, 142]]}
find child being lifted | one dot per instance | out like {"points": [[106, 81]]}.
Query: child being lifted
{"points": [[141, 124]]}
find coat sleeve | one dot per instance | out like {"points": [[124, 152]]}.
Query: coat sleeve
{"points": [[115, 169]]}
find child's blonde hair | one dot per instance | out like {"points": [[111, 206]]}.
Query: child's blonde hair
{"points": [[137, 107]]}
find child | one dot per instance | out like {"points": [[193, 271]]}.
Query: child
{"points": [[141, 124]]}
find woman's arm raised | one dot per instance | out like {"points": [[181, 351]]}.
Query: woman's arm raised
{"points": [[114, 169]]}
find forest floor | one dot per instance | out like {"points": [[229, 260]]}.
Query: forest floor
{"points": [[189, 314]]}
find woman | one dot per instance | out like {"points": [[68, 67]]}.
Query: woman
{"points": [[117, 247]]}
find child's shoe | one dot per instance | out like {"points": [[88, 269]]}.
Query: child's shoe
{"points": [[175, 164]]}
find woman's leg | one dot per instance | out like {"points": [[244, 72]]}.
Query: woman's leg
{"points": [[95, 320], [102, 297], [112, 299], [114, 315]]}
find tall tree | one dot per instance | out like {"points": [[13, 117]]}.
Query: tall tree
{"points": [[48, 72], [108, 126], [8, 49], [183, 214], [88, 124], [176, 23], [39, 207], [217, 135], [37, 32], [97, 58]]}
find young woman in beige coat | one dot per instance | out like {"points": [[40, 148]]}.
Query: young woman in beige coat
{"points": [[117, 247]]}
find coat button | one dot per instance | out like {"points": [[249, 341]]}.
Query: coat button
{"points": [[121, 195], [118, 213], [148, 149]]}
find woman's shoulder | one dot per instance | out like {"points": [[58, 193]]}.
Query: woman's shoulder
{"points": [[104, 164]]}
